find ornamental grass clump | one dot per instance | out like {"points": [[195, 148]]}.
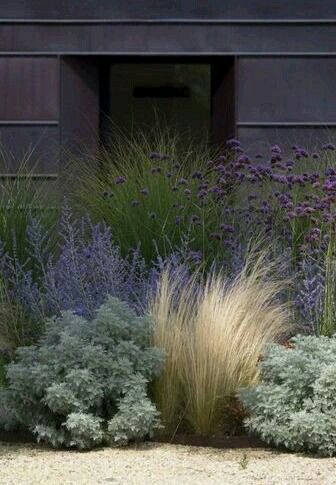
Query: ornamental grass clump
{"points": [[84, 384], [24, 195], [294, 404], [213, 335], [153, 191]]}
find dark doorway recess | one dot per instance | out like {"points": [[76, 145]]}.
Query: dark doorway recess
{"points": [[195, 94]]}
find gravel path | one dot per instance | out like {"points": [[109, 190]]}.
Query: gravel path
{"points": [[160, 464]]}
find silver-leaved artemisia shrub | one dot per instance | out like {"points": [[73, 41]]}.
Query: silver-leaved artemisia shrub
{"points": [[294, 405], [84, 384]]}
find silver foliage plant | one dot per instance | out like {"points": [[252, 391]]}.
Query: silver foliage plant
{"points": [[294, 406], [85, 383]]}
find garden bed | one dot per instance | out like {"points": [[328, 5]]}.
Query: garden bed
{"points": [[154, 300]]}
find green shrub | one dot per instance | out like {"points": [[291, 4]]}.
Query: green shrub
{"points": [[84, 384], [295, 404]]}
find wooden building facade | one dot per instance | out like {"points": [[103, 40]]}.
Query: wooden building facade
{"points": [[267, 68]]}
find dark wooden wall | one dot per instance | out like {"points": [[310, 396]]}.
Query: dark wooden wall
{"points": [[286, 99], [29, 110], [163, 9], [167, 38], [284, 72]]}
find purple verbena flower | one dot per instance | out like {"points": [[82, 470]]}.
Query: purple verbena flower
{"points": [[275, 149], [120, 180], [233, 142], [329, 146], [197, 175], [194, 219], [227, 228]]}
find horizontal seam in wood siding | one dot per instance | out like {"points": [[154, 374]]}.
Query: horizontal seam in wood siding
{"points": [[28, 123], [167, 54], [167, 21], [26, 54], [285, 123]]}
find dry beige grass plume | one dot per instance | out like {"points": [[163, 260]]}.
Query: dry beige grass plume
{"points": [[213, 341]]}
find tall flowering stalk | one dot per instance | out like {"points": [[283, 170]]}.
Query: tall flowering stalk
{"points": [[156, 197], [309, 293], [159, 204], [87, 268]]}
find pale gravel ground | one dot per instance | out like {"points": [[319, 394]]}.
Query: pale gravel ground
{"points": [[153, 464]]}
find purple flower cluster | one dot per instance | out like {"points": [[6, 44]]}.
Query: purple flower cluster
{"points": [[215, 213], [158, 156], [87, 268]]}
